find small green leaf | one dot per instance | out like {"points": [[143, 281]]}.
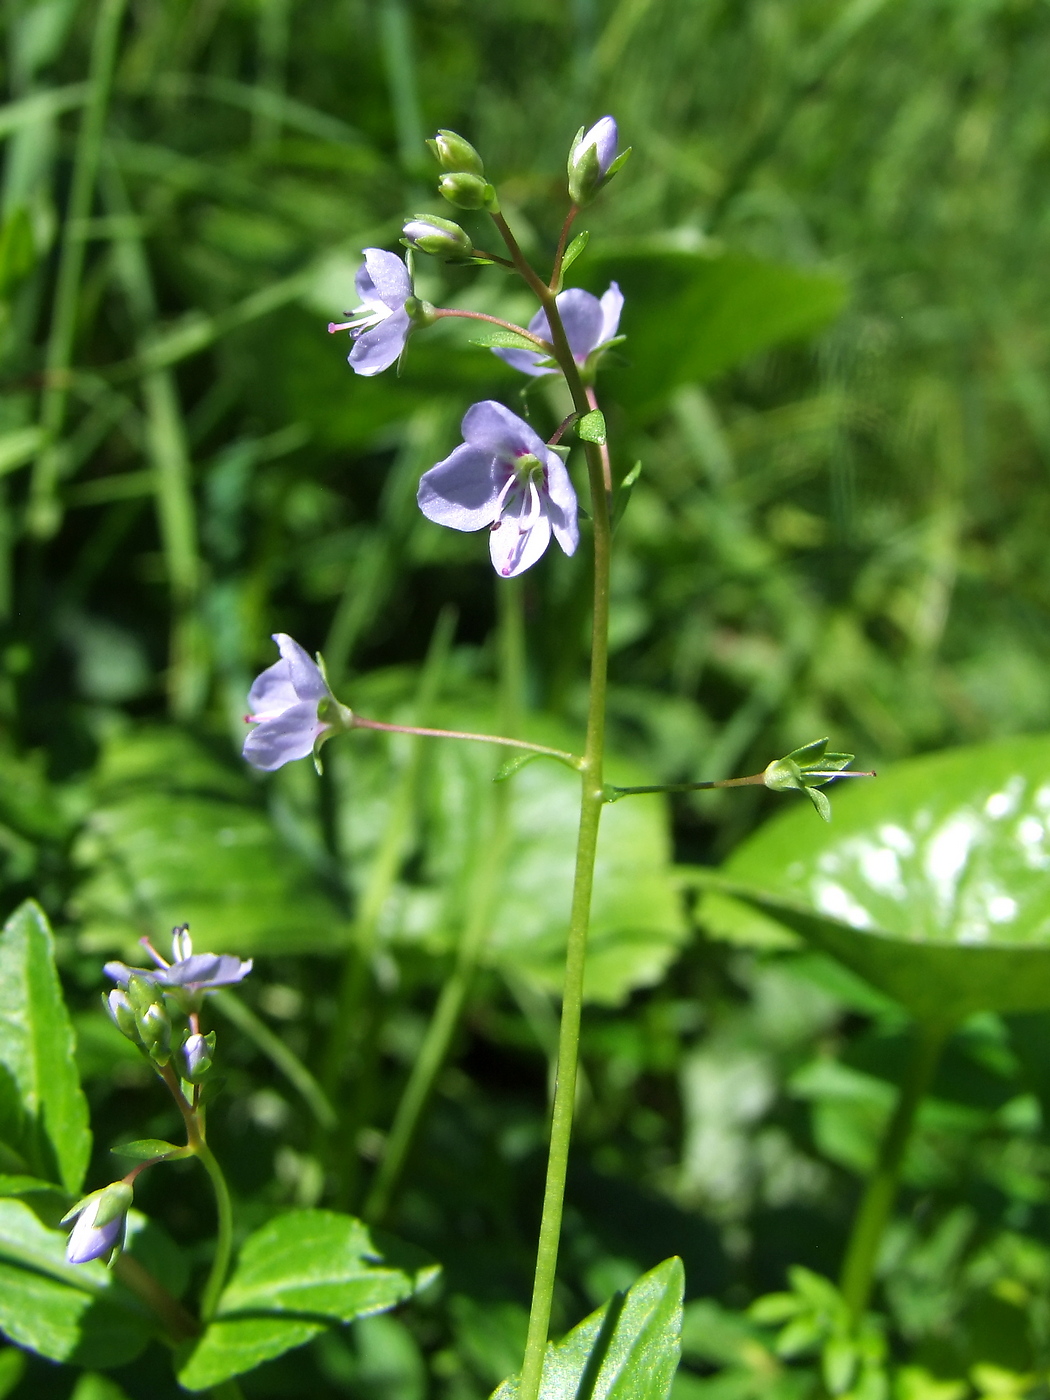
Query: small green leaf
{"points": [[300, 1272], [591, 427], [627, 1350], [43, 1112], [146, 1148], [505, 340], [573, 251], [623, 493]]}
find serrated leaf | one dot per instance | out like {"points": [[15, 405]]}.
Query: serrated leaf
{"points": [[627, 1350], [43, 1112], [145, 1148], [505, 340], [298, 1274], [591, 427], [931, 883]]}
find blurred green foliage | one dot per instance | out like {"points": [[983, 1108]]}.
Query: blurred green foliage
{"points": [[831, 237]]}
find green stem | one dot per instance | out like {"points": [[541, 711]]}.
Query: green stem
{"points": [[876, 1207], [43, 514], [540, 344], [592, 799], [224, 1237], [360, 723], [449, 1008]]}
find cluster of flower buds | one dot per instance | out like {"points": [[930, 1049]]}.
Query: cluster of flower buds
{"points": [[101, 1219], [463, 183], [138, 1010]]}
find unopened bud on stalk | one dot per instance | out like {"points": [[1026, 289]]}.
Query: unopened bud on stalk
{"points": [[439, 237], [453, 153], [593, 160], [155, 1029], [467, 191], [197, 1055], [121, 1014], [100, 1220]]}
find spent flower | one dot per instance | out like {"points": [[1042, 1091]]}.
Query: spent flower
{"points": [[505, 477], [590, 322], [380, 326], [293, 709], [100, 1221]]}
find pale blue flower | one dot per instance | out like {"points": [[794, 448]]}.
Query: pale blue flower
{"points": [[190, 972], [284, 704], [100, 1220], [590, 322], [505, 477], [378, 327]]}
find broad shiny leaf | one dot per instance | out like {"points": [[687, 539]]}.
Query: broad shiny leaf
{"points": [[931, 882], [300, 1273], [627, 1350]]}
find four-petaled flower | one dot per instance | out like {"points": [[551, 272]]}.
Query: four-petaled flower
{"points": [[286, 704], [191, 974], [589, 324], [379, 327], [504, 476]]}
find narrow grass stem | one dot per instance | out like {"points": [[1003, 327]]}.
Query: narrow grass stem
{"points": [[876, 1206], [44, 512], [592, 799], [220, 1264]]}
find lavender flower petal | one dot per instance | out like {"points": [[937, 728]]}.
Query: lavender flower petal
{"points": [[514, 550], [494, 429], [612, 305], [388, 276], [376, 350], [604, 137], [272, 691], [303, 672], [89, 1241], [204, 970], [461, 491], [286, 737], [562, 507]]}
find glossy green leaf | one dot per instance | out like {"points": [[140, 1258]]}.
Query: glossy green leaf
{"points": [[43, 1113], [691, 315], [931, 882], [178, 837], [627, 1350], [591, 427], [145, 1149], [300, 1273], [66, 1312]]}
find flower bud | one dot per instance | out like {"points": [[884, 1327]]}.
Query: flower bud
{"points": [[100, 1219], [141, 991], [154, 1026], [121, 1014], [455, 154], [468, 191], [439, 237], [593, 160], [197, 1055]]}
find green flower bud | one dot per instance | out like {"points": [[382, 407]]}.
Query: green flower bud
{"points": [[439, 237], [155, 1029], [198, 1052], [121, 1013], [467, 191], [455, 154]]}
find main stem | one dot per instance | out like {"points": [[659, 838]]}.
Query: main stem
{"points": [[591, 802], [224, 1238], [876, 1207]]}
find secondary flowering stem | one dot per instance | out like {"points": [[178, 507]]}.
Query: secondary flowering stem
{"points": [[359, 722], [224, 1238], [495, 321], [592, 800]]}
